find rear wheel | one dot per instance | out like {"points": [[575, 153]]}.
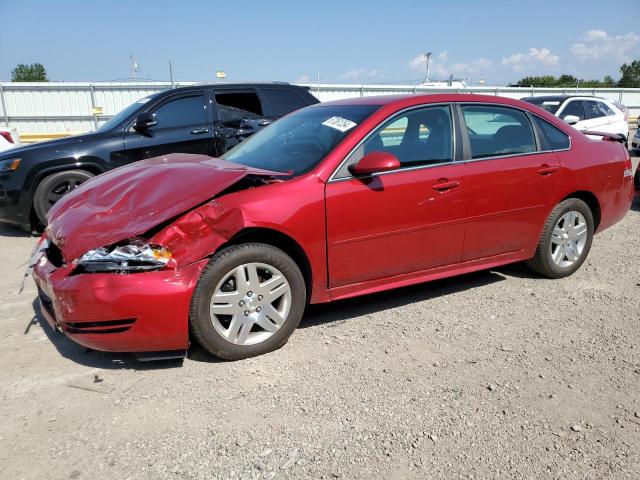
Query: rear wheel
{"points": [[248, 301], [52, 188], [565, 241]]}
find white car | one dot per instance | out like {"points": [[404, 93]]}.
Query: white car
{"points": [[9, 138], [586, 113]]}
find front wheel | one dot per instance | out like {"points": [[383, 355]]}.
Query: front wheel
{"points": [[52, 188], [565, 241], [248, 301]]}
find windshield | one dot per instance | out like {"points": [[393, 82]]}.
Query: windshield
{"points": [[551, 105], [299, 141], [123, 115]]}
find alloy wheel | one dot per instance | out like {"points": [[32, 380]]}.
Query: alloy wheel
{"points": [[250, 303], [568, 239]]}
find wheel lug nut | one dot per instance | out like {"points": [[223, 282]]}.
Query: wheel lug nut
{"points": [[249, 294], [258, 309], [241, 302], [259, 297], [246, 313]]}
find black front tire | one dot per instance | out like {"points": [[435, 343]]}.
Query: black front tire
{"points": [[542, 262], [53, 187], [226, 260]]}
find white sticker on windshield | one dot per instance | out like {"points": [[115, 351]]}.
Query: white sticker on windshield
{"points": [[339, 123], [551, 102]]}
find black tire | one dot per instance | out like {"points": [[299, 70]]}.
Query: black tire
{"points": [[542, 262], [53, 187], [220, 265]]}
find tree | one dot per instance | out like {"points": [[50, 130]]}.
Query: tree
{"points": [[29, 73], [630, 75]]}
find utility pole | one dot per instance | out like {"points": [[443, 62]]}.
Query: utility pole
{"points": [[428, 60], [134, 66], [171, 75]]}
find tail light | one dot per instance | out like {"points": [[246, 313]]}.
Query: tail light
{"points": [[628, 166], [7, 136]]}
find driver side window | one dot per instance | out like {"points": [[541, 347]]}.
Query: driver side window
{"points": [[181, 112], [419, 137]]}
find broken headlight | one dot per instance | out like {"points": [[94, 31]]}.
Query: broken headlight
{"points": [[132, 257]]}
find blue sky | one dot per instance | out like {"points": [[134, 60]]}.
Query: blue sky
{"points": [[348, 42]]}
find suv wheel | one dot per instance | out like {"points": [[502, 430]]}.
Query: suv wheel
{"points": [[248, 301], [53, 187]]}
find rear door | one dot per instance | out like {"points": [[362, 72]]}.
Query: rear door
{"points": [[239, 114], [600, 118], [183, 127], [510, 181]]}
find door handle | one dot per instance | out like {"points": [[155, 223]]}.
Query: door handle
{"points": [[548, 169], [199, 131], [445, 185]]}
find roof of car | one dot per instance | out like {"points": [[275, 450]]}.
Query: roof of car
{"points": [[559, 97], [421, 98]]}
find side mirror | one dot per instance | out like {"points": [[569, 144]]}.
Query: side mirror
{"points": [[144, 122], [571, 119], [375, 162]]}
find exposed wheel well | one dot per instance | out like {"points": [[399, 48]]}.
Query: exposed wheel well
{"points": [[591, 201], [281, 241]]}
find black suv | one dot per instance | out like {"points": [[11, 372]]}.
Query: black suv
{"points": [[205, 119]]}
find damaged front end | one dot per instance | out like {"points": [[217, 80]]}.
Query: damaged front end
{"points": [[121, 259]]}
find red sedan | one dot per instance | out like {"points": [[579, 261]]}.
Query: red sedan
{"points": [[335, 200]]}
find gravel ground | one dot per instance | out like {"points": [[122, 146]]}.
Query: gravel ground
{"points": [[496, 374]]}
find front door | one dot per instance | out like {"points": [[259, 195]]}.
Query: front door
{"points": [[510, 181], [183, 126], [403, 221]]}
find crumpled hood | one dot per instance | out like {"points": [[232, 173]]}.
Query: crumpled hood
{"points": [[130, 200]]}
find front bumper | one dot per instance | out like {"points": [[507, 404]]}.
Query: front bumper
{"points": [[140, 312]]}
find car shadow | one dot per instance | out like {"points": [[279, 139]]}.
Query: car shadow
{"points": [[8, 230], [635, 205], [93, 358], [343, 310]]}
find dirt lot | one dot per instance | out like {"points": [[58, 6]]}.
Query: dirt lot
{"points": [[496, 374]]}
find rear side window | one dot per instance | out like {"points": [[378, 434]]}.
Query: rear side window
{"points": [[596, 109], [236, 105], [282, 102], [181, 112], [551, 137], [496, 131]]}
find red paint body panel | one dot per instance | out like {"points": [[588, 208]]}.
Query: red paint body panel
{"points": [[395, 223], [359, 236], [132, 199]]}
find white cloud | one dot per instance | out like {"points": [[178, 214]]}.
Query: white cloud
{"points": [[441, 70], [303, 79], [534, 58], [359, 74], [597, 44]]}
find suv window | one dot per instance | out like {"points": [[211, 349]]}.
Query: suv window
{"points": [[237, 105], [552, 137], [181, 112], [283, 101], [495, 131], [574, 107], [595, 109], [418, 137]]}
